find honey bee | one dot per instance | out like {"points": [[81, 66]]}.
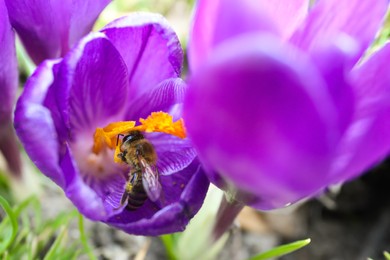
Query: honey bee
{"points": [[143, 181]]}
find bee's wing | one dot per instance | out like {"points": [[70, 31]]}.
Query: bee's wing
{"points": [[150, 180]]}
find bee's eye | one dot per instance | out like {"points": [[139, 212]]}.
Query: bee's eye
{"points": [[133, 136]]}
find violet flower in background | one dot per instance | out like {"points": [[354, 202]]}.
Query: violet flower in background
{"points": [[124, 72], [290, 103], [48, 29], [8, 87]]}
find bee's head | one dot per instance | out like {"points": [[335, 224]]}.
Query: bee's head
{"points": [[132, 137]]}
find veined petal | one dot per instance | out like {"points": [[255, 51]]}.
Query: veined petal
{"points": [[87, 200], [149, 47], [360, 19], [184, 195], [367, 141], [49, 28], [34, 124], [167, 94], [8, 66], [93, 84], [262, 119], [196, 189], [174, 154], [219, 20]]}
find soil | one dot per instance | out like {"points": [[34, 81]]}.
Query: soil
{"points": [[356, 227]]}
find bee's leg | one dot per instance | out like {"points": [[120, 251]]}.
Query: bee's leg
{"points": [[117, 138], [124, 199]]}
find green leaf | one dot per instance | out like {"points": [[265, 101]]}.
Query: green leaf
{"points": [[14, 226], [84, 239], [282, 250], [387, 255], [53, 251], [5, 187], [168, 241]]}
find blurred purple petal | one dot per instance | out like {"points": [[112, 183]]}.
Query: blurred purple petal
{"points": [[49, 28], [360, 19], [263, 116], [149, 47], [277, 123], [83, 15], [334, 61], [8, 86], [367, 140], [213, 23], [8, 65], [287, 15]]}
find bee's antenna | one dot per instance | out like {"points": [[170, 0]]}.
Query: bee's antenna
{"points": [[117, 138]]}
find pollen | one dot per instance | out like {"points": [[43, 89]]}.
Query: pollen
{"points": [[156, 122], [163, 122]]}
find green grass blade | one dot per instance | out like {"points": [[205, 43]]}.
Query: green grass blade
{"points": [[282, 250], [14, 225], [84, 239], [53, 251], [169, 244]]}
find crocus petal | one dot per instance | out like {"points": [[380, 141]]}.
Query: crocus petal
{"points": [[367, 139], [8, 87], [97, 86], [49, 28], [167, 94], [219, 20], [360, 19], [83, 16], [196, 188], [333, 62], [287, 15], [149, 47], [256, 118], [174, 153], [174, 216], [9, 147], [8, 67], [83, 197], [34, 125]]}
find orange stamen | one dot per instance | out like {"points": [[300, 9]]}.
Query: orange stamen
{"points": [[156, 122]]}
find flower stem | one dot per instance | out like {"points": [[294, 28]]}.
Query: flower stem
{"points": [[227, 213], [10, 150]]}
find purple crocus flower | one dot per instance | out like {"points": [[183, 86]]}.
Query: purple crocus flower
{"points": [[8, 87], [124, 72], [291, 103], [48, 29]]}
